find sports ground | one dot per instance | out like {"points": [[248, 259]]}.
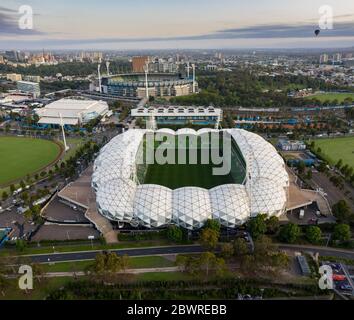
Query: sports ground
{"points": [[179, 175], [21, 156], [332, 96], [337, 148]]}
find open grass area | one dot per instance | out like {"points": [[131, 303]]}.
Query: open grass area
{"points": [[74, 144], [135, 263], [84, 247], [22, 156], [332, 96], [337, 148], [40, 292]]}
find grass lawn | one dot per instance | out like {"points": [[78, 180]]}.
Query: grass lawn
{"points": [[332, 96], [22, 156], [337, 148], [85, 247], [135, 263], [164, 276], [41, 290], [74, 144]]}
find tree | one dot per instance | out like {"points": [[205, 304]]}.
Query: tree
{"points": [[309, 174], [342, 232], [209, 238], [301, 167], [212, 224], [20, 245], [227, 250], [339, 164], [240, 247], [257, 226], [341, 211], [272, 225], [313, 234], [38, 271], [4, 195], [174, 234], [289, 233]]}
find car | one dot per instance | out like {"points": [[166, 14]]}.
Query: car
{"points": [[345, 287]]}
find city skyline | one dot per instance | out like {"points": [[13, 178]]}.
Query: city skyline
{"points": [[196, 24]]}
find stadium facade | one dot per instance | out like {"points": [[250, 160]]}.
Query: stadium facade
{"points": [[159, 85], [120, 197]]}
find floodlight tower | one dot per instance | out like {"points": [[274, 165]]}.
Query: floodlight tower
{"points": [[63, 132], [107, 66], [146, 70], [99, 76], [188, 67], [193, 67]]}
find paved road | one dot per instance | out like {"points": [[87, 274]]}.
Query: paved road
{"points": [[323, 251], [90, 255]]}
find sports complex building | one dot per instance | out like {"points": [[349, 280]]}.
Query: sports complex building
{"points": [[72, 112], [134, 85], [132, 192], [180, 115]]}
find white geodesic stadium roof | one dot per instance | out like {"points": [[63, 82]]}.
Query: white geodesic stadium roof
{"points": [[121, 198]]}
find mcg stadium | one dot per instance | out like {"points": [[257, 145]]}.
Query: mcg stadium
{"points": [[134, 85], [187, 195]]}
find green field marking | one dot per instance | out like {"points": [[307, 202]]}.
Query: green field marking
{"points": [[337, 148], [22, 156]]}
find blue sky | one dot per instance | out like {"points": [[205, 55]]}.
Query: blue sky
{"points": [[136, 24]]}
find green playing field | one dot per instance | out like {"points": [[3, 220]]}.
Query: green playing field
{"points": [[21, 156], [177, 175], [337, 148]]}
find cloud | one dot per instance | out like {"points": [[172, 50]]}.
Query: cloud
{"points": [[9, 24], [292, 32], [276, 31], [343, 29]]}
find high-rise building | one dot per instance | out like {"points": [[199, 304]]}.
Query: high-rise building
{"points": [[29, 87], [337, 58], [323, 58], [1, 59], [139, 63]]}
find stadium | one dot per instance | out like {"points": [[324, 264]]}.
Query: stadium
{"points": [[133, 85], [132, 192]]}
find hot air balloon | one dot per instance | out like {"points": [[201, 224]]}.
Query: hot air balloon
{"points": [[317, 32]]}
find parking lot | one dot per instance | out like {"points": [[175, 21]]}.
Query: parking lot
{"points": [[311, 216], [341, 278], [58, 211], [12, 219], [61, 233]]}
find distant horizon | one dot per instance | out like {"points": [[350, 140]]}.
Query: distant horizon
{"points": [[146, 50]]}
